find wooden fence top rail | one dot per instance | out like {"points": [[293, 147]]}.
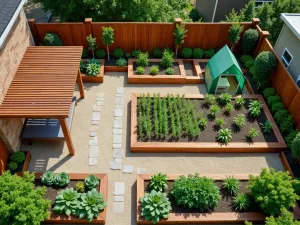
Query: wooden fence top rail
{"points": [[44, 83]]}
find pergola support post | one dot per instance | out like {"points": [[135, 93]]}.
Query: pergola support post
{"points": [[80, 84], [67, 135]]}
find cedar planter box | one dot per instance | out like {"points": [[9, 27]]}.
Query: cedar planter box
{"points": [[155, 79], [276, 145], [63, 219], [23, 166], [195, 217], [99, 78], [193, 71]]}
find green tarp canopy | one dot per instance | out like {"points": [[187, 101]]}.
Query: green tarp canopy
{"points": [[219, 68]]}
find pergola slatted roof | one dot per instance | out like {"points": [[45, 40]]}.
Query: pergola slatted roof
{"points": [[44, 83], [43, 86]]}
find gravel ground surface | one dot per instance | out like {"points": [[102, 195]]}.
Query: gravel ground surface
{"points": [[54, 155]]}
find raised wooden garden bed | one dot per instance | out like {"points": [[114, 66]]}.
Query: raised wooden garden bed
{"points": [[98, 79], [180, 215], [156, 79], [193, 71], [206, 143], [63, 219]]}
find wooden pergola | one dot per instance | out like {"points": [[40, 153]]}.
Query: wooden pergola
{"points": [[43, 86]]}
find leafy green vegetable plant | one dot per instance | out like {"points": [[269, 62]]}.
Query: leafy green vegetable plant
{"points": [[195, 192], [62, 179], [202, 123], [156, 53], [267, 127], [220, 122], [229, 108], [170, 71], [91, 181], [12, 166], [158, 182], [198, 53], [52, 39], [18, 157], [241, 202], [186, 53], [80, 187], [121, 62], [209, 99], [142, 59], [92, 69], [48, 178], [255, 108], [140, 70], [231, 185], [66, 202], [224, 135], [155, 206], [90, 205], [21, 202], [167, 59], [154, 70], [214, 110], [239, 120], [225, 98], [100, 54], [239, 102], [273, 191], [253, 132], [108, 38], [118, 53], [269, 92]]}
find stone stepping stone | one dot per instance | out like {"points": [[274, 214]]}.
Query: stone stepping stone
{"points": [[119, 198], [117, 139], [117, 153], [119, 207], [128, 169], [119, 95], [119, 100], [141, 170], [96, 116], [117, 131], [118, 160], [93, 161], [118, 112], [118, 123], [93, 142], [99, 98], [99, 103], [94, 152], [119, 188], [100, 94], [95, 122], [119, 106], [94, 128], [117, 146], [96, 108], [93, 134], [115, 165], [120, 90]]}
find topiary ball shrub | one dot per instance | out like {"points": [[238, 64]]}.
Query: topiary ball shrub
{"points": [[277, 106], [21, 202], [12, 166], [186, 53], [118, 53], [100, 54], [170, 71], [249, 64], [135, 53], [249, 40], [245, 58], [195, 192], [154, 70], [209, 53], [273, 191], [198, 53], [84, 53], [296, 147], [52, 39], [269, 92], [156, 53], [263, 67], [286, 125], [18, 157], [281, 114], [140, 70], [289, 138], [273, 99]]}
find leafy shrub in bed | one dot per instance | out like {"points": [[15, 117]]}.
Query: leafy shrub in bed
{"points": [[62, 179], [167, 59], [155, 206], [214, 110], [158, 182], [231, 185], [121, 62], [272, 100], [186, 53], [140, 70], [21, 202], [52, 39], [154, 70], [245, 58], [249, 40], [209, 53], [286, 125], [241, 202], [277, 106], [12, 166], [269, 92], [225, 98], [273, 191], [92, 69], [198, 53], [253, 132], [229, 108], [249, 64], [170, 71], [195, 192], [48, 178], [224, 135], [118, 53], [281, 114], [220, 122], [135, 53], [239, 120], [296, 147], [267, 127], [18, 157], [91, 181], [209, 99], [66, 202], [289, 138], [255, 108], [239, 102], [142, 59], [156, 53], [100, 54]]}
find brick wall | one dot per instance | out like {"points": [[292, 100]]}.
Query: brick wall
{"points": [[11, 54]]}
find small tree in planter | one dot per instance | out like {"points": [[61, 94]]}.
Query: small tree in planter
{"points": [[108, 38], [234, 34], [92, 44], [179, 35]]}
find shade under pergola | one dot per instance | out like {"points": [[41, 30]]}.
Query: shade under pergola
{"points": [[43, 86]]}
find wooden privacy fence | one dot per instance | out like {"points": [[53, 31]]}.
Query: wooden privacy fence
{"points": [[144, 36]]}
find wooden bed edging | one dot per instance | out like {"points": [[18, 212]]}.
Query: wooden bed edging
{"points": [[103, 188], [286, 164], [205, 147], [99, 78], [115, 69], [157, 79], [198, 77], [198, 218], [27, 161]]}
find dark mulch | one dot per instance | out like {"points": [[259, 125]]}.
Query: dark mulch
{"points": [[224, 205], [209, 134], [188, 67], [295, 166], [20, 166], [113, 61], [162, 71], [53, 191]]}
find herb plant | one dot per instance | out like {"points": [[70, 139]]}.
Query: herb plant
{"points": [[253, 132], [158, 182], [167, 59], [214, 110], [267, 127], [231, 185], [202, 123], [154, 206], [255, 108], [225, 98], [195, 192], [229, 108], [12, 166], [66, 202], [121, 62], [224, 135], [62, 179], [48, 178], [80, 187], [18, 157], [154, 70], [220, 122], [239, 120], [241, 202], [142, 59], [170, 71], [91, 181], [140, 70], [209, 99]]}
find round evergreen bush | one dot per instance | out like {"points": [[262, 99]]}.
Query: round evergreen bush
{"points": [[245, 58], [264, 64], [140, 70], [186, 53], [286, 125], [118, 53], [269, 92], [170, 71], [277, 106], [100, 54], [249, 64], [296, 147], [249, 40], [273, 99], [154, 70], [198, 53], [18, 157], [281, 114], [12, 166], [195, 192], [52, 39], [289, 138], [156, 53], [209, 53]]}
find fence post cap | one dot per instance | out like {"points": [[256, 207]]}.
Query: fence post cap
{"points": [[177, 20], [265, 33], [255, 20], [32, 20], [88, 20]]}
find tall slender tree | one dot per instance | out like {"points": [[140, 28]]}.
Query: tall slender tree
{"points": [[92, 44], [179, 35], [234, 34], [248, 12], [108, 38]]}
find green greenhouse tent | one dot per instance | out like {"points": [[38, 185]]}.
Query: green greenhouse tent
{"points": [[223, 73]]}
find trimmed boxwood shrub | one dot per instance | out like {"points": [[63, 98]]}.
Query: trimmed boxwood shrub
{"points": [[198, 53], [100, 54], [269, 92], [273, 191], [296, 147], [140, 70], [281, 114], [12, 166], [286, 125], [249, 40], [170, 71], [18, 157], [195, 192], [277, 106], [272, 100], [52, 39], [249, 64], [118, 53], [209, 53], [156, 53], [245, 58], [186, 53], [84, 53], [154, 70], [264, 64], [135, 53], [289, 138]]}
